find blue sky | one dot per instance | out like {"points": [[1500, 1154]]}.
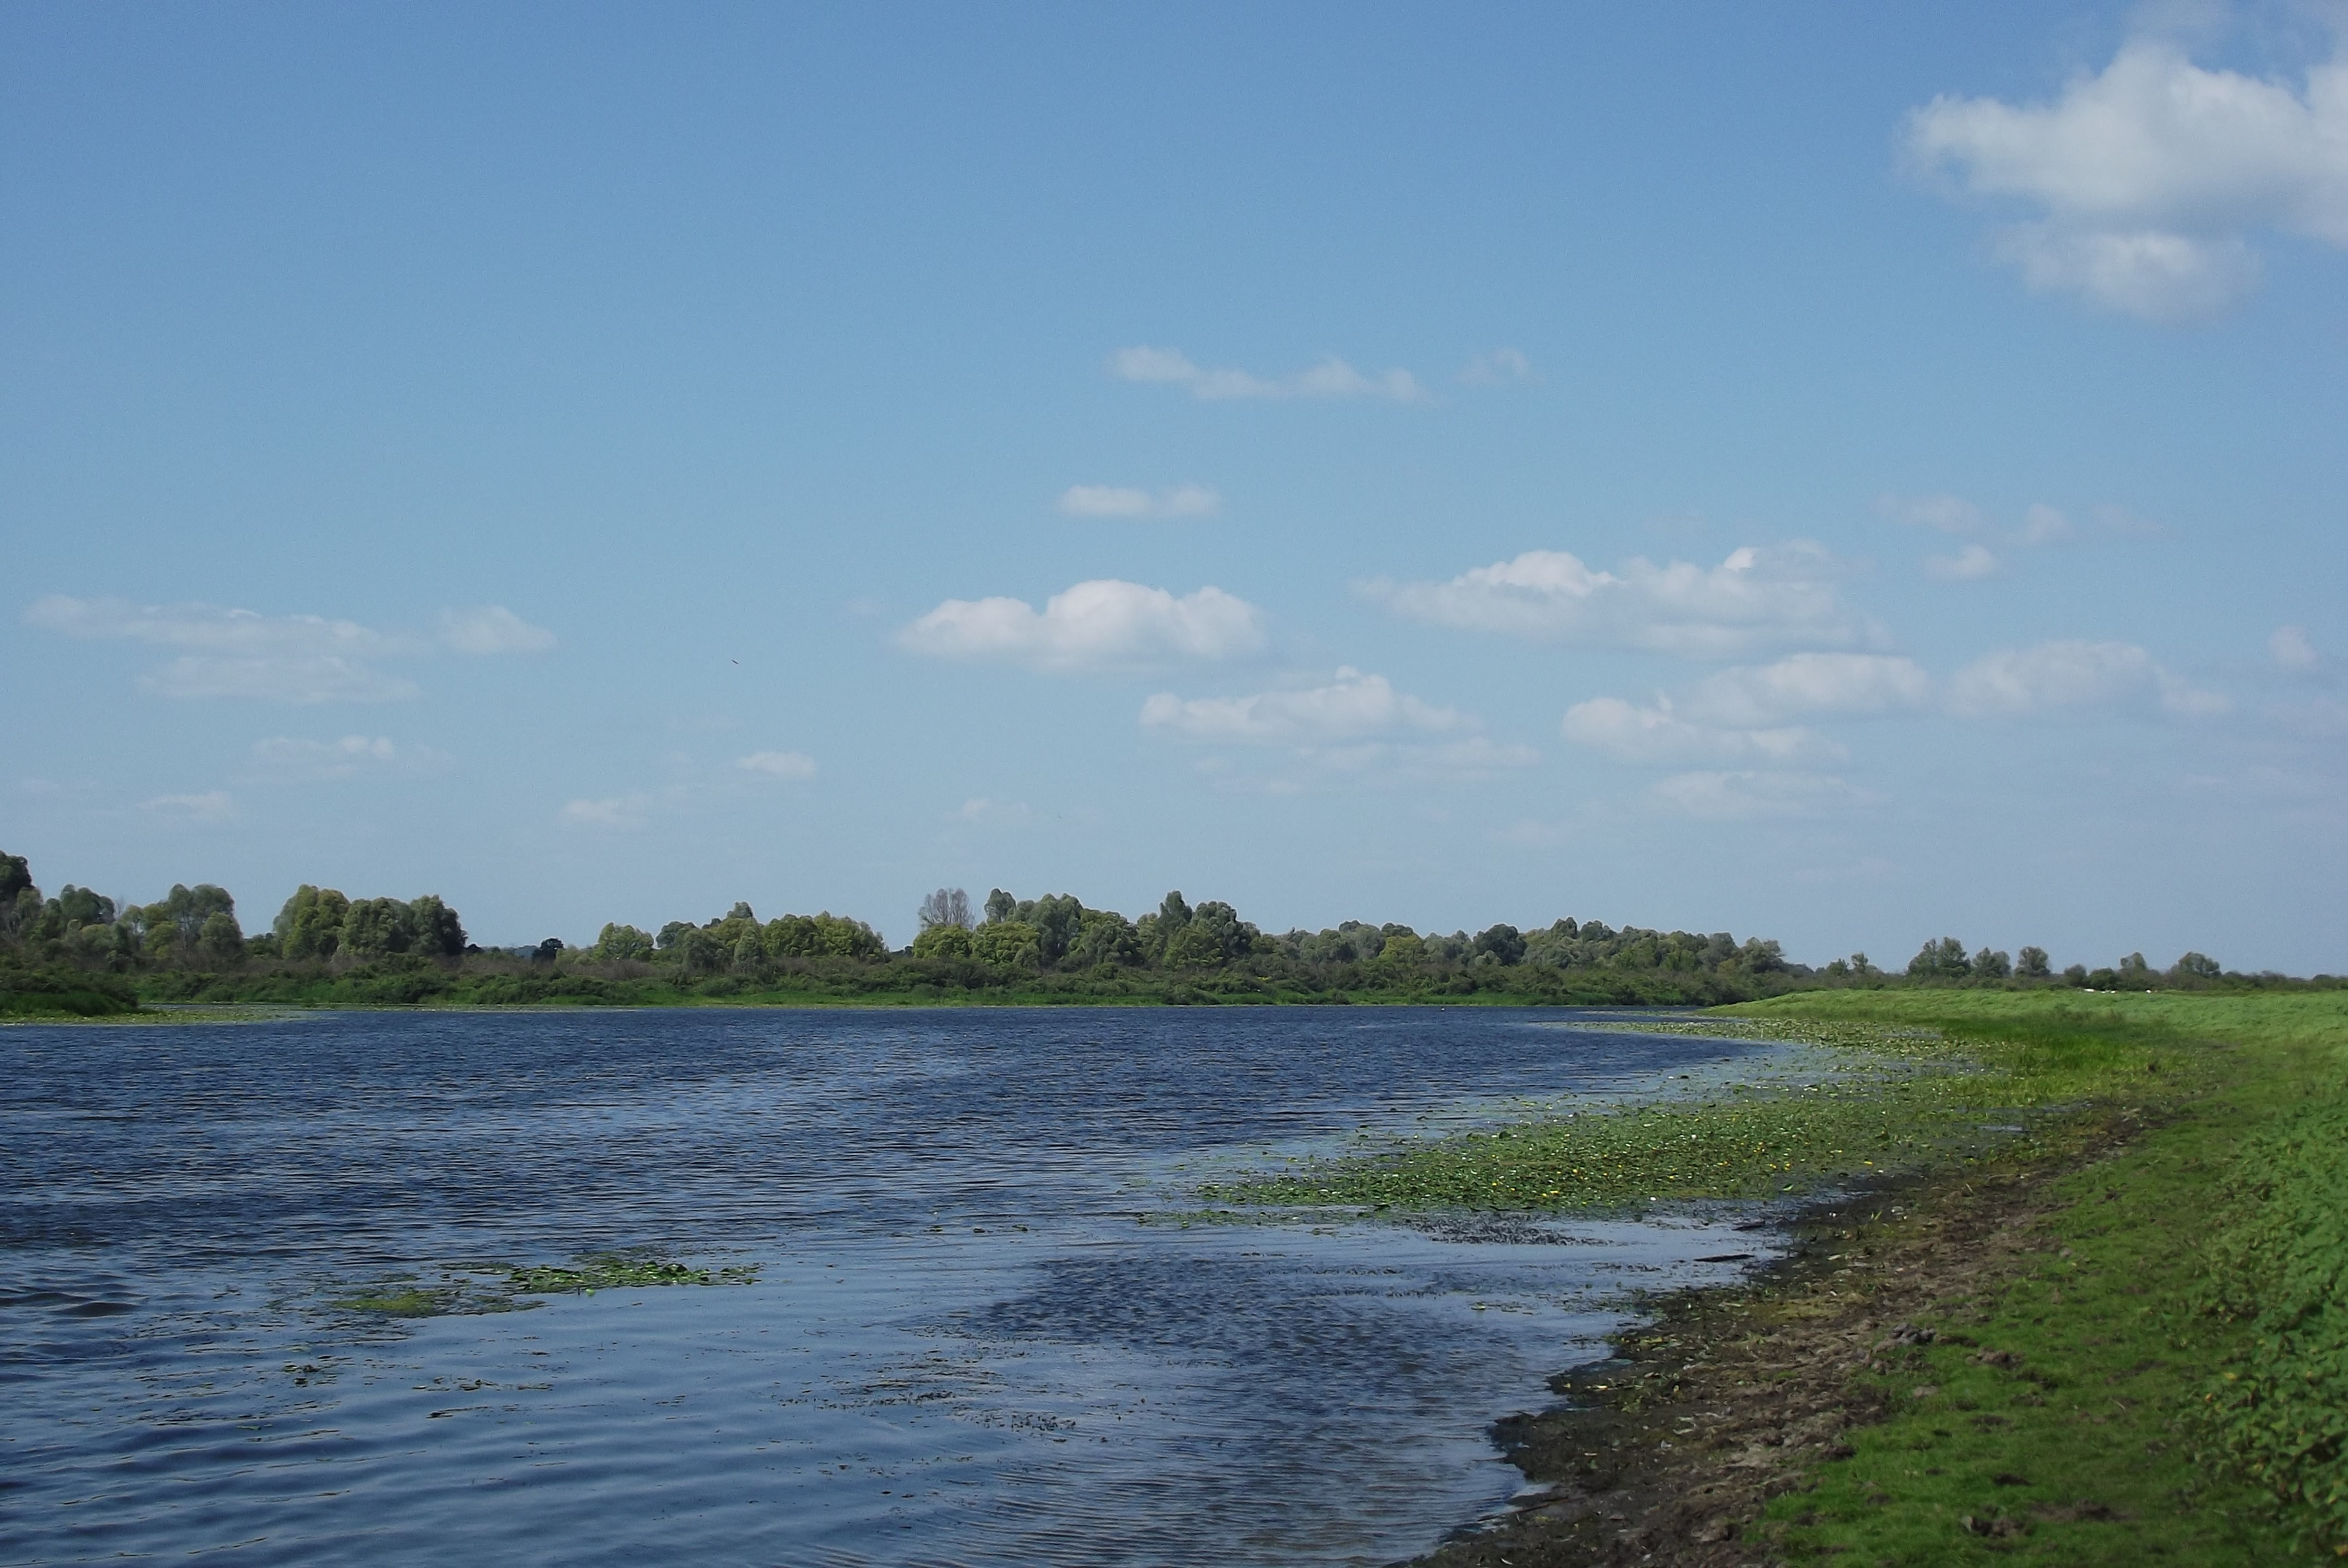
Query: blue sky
{"points": [[1837, 473]]}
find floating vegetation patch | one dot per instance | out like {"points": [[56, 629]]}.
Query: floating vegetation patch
{"points": [[612, 1271], [501, 1287], [1888, 1099]]}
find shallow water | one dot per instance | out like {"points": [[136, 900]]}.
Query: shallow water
{"points": [[963, 1346]]}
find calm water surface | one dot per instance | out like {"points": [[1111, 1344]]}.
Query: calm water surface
{"points": [[963, 1345]]}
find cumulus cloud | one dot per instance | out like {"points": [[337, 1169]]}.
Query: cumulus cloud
{"points": [[1352, 707], [1805, 684], [1658, 734], [2016, 682], [1333, 377], [1103, 624], [2148, 176], [778, 764], [1744, 793], [1756, 598], [2291, 647], [213, 806], [298, 659], [1118, 501], [1500, 367]]}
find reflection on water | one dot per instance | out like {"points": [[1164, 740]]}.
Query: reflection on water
{"points": [[963, 1345]]}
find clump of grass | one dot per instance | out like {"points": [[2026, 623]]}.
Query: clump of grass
{"points": [[1893, 1098], [2278, 1407]]}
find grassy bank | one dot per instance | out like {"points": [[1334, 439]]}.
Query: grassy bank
{"points": [[2116, 1336], [2157, 1372]]}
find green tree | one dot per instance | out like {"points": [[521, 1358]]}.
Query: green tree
{"points": [[1942, 960], [1506, 944], [310, 926], [618, 943], [2030, 964], [437, 930], [943, 939], [1000, 905], [1991, 964], [2196, 970], [1007, 944], [220, 939]]}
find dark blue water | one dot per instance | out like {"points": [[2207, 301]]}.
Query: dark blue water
{"points": [[963, 1344]]}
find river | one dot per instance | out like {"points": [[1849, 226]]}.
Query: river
{"points": [[978, 1333]]}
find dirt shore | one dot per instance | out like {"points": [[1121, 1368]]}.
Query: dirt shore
{"points": [[1723, 1399]]}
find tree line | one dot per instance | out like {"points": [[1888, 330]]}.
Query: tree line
{"points": [[324, 945]]}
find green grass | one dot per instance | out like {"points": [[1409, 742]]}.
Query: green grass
{"points": [[2159, 1381]]}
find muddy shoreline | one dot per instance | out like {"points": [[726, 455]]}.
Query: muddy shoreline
{"points": [[1719, 1400]]}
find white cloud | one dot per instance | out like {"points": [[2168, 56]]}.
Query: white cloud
{"points": [[300, 658], [1352, 707], [1972, 564], [1103, 624], [492, 629], [213, 806], [2292, 648], [1805, 683], [780, 764], [983, 812], [288, 757], [1498, 368], [1118, 501], [1737, 795], [1333, 377], [1755, 598], [623, 811], [2074, 674], [2150, 175], [1659, 735]]}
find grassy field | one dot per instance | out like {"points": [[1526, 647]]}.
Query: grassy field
{"points": [[2162, 1373]]}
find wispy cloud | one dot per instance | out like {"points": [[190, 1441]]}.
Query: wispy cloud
{"points": [[1744, 793], [1333, 377], [1973, 563], [1119, 501], [287, 757], [1352, 707], [211, 805], [621, 812], [1100, 625], [1756, 598], [2066, 674], [297, 659], [778, 764], [492, 629], [1501, 367], [1658, 734], [2292, 649], [2148, 176]]}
